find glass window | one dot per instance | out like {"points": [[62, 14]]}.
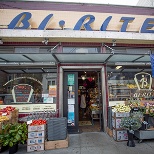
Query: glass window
{"points": [[31, 88], [129, 83], [81, 50]]}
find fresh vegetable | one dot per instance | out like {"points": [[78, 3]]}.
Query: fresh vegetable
{"points": [[38, 122]]}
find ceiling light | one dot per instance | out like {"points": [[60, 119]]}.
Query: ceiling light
{"points": [[118, 67], [83, 77]]}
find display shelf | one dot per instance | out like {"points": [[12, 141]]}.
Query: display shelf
{"points": [[120, 92], [95, 115], [122, 95]]}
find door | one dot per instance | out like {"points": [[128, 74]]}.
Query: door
{"points": [[100, 101], [70, 108]]}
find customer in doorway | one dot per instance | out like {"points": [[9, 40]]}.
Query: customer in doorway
{"points": [[83, 104]]}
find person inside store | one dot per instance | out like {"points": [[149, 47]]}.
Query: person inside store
{"points": [[38, 97], [87, 102], [83, 104]]}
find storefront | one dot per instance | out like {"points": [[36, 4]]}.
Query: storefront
{"points": [[50, 58]]}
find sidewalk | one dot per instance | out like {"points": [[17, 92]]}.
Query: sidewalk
{"points": [[96, 143]]}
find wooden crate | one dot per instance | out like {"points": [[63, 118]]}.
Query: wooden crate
{"points": [[116, 123], [14, 120], [109, 132], [58, 144], [35, 147], [120, 135], [15, 113]]}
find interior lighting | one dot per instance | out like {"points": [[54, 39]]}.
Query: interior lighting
{"points": [[118, 67], [83, 77]]}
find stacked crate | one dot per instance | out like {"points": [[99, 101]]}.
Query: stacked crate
{"points": [[14, 116], [36, 138], [109, 122], [119, 134]]}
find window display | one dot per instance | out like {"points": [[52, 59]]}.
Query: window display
{"points": [[35, 88], [29, 92]]}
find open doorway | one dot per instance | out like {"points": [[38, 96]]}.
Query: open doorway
{"points": [[90, 118]]}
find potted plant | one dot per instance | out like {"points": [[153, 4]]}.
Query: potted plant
{"points": [[13, 134], [131, 123]]}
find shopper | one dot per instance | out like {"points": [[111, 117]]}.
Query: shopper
{"points": [[83, 104]]}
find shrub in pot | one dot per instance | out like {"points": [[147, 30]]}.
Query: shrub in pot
{"points": [[13, 134], [131, 123]]}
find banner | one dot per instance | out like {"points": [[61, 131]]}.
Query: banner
{"points": [[152, 64]]}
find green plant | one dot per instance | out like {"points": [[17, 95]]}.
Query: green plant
{"points": [[134, 122], [12, 134], [151, 111]]}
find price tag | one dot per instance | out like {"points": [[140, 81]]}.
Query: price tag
{"points": [[29, 122], [4, 114]]}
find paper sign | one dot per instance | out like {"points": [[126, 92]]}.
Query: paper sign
{"points": [[29, 122]]}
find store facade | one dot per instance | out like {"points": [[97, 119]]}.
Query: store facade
{"points": [[57, 57]]}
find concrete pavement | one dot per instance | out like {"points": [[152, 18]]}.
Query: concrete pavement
{"points": [[96, 143]]}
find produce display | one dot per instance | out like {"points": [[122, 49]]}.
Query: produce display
{"points": [[38, 122], [4, 118], [131, 86], [94, 107], [121, 108], [8, 115], [6, 110]]}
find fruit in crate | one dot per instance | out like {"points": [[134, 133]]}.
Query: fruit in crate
{"points": [[134, 104], [131, 86], [4, 118], [38, 122], [6, 110], [94, 107], [121, 108]]}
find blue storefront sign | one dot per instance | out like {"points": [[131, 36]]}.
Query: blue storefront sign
{"points": [[85, 21]]}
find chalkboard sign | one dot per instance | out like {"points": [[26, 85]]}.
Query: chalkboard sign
{"points": [[22, 93]]}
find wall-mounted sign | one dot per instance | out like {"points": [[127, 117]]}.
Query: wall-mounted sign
{"points": [[71, 115], [70, 79], [144, 82], [52, 91], [86, 21], [26, 108]]}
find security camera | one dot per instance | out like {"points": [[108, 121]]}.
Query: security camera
{"points": [[45, 41], [1, 42]]}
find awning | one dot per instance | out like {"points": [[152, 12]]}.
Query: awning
{"points": [[36, 62], [140, 59]]}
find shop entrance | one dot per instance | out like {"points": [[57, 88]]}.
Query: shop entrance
{"points": [[90, 118], [77, 84]]}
